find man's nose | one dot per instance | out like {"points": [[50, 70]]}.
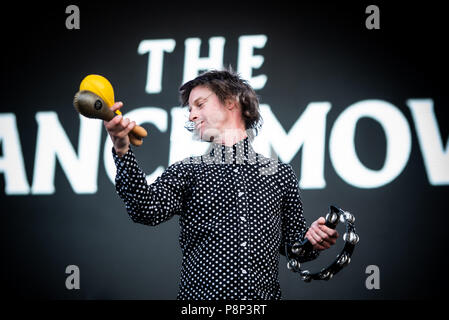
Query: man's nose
{"points": [[193, 115]]}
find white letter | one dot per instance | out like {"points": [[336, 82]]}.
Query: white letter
{"points": [[155, 50], [156, 116], [372, 21], [308, 131], [192, 61], [436, 159], [72, 281], [373, 281], [11, 163], [72, 21], [247, 61], [342, 149], [52, 142]]}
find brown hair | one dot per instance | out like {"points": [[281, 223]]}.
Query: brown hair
{"points": [[227, 84]]}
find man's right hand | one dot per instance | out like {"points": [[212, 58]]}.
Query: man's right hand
{"points": [[118, 129]]}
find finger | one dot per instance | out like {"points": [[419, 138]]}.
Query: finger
{"points": [[113, 125], [131, 126], [124, 123], [311, 239], [321, 221], [331, 241], [313, 236], [323, 235], [117, 106], [318, 246], [328, 239], [327, 243], [331, 233], [127, 130], [322, 240]]}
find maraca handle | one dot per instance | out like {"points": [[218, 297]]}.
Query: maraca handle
{"points": [[136, 135], [139, 131], [134, 140]]}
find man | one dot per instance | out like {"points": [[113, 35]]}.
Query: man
{"points": [[237, 208]]}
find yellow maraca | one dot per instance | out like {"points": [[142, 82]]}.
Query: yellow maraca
{"points": [[94, 100]]}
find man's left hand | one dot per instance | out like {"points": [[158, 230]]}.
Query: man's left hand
{"points": [[320, 236]]}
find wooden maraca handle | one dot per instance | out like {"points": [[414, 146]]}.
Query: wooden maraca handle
{"points": [[136, 141], [91, 105], [139, 131]]}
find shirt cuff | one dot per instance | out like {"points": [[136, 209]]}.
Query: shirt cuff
{"points": [[127, 157]]}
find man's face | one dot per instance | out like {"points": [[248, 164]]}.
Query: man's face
{"points": [[210, 116]]}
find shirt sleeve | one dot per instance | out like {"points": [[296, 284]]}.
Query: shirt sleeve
{"points": [[150, 204], [294, 226]]}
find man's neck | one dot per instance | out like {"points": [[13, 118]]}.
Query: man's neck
{"points": [[231, 136]]}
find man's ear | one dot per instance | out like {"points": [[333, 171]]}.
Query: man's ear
{"points": [[231, 104]]}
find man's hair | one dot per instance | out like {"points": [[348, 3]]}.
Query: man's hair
{"points": [[227, 84]]}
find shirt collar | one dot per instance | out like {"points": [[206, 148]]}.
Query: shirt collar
{"points": [[239, 153]]}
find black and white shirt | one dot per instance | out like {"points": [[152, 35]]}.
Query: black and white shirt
{"points": [[237, 210]]}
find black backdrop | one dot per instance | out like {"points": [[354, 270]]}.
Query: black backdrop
{"points": [[313, 53]]}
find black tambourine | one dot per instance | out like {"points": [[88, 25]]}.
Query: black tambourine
{"points": [[298, 249]]}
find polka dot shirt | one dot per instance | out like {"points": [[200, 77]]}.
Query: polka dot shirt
{"points": [[237, 210]]}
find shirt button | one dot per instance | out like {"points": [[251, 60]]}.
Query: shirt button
{"points": [[243, 219], [244, 271], [236, 170], [241, 193], [243, 244]]}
